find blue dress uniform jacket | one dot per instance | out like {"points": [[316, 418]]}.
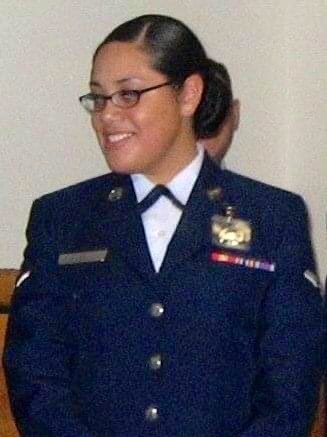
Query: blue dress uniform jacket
{"points": [[100, 345]]}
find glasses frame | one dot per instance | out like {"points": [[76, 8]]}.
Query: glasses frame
{"points": [[113, 97]]}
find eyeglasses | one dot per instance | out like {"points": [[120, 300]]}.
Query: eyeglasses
{"points": [[94, 102]]}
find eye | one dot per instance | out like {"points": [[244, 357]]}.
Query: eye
{"points": [[127, 97]]}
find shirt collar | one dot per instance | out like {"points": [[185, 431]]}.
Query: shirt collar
{"points": [[181, 185]]}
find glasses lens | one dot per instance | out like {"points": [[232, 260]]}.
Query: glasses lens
{"points": [[125, 98], [93, 102]]}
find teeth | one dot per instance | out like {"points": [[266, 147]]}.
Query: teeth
{"points": [[118, 137]]}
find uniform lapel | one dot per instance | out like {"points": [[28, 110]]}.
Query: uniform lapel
{"points": [[194, 231], [116, 225]]}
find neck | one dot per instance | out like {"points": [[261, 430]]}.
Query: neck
{"points": [[178, 164]]}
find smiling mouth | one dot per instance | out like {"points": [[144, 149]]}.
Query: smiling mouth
{"points": [[116, 138]]}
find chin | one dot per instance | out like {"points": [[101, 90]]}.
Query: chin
{"points": [[120, 167]]}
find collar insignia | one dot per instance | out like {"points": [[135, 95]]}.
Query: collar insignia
{"points": [[115, 194], [214, 193]]}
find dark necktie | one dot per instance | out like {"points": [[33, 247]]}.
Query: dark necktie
{"points": [[153, 196]]}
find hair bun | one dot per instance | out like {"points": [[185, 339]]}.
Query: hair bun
{"points": [[216, 99]]}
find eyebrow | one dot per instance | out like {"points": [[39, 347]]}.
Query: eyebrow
{"points": [[119, 81]]}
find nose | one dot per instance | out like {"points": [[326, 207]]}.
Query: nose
{"points": [[110, 112]]}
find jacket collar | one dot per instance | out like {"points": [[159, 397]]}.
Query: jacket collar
{"points": [[115, 224]]}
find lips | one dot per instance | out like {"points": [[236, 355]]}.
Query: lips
{"points": [[116, 138]]}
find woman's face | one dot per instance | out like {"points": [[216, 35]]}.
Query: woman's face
{"points": [[154, 137]]}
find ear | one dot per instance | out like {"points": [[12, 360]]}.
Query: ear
{"points": [[236, 108], [190, 95]]}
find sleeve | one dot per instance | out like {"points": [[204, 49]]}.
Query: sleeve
{"points": [[286, 393], [37, 351]]}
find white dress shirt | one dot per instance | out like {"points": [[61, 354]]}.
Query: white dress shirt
{"points": [[161, 219]]}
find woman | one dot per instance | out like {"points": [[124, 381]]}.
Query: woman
{"points": [[190, 310]]}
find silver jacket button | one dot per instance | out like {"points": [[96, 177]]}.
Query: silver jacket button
{"points": [[152, 413], [157, 310], [155, 362]]}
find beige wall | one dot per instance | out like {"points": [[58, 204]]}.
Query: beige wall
{"points": [[276, 52]]}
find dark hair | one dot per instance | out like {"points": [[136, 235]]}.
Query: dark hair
{"points": [[224, 76], [178, 53]]}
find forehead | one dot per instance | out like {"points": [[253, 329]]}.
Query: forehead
{"points": [[119, 61]]}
